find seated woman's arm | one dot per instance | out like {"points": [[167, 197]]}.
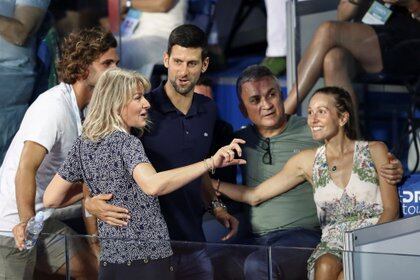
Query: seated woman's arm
{"points": [[389, 196], [295, 171]]}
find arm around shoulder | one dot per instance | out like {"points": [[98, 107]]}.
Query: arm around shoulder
{"points": [[379, 153]]}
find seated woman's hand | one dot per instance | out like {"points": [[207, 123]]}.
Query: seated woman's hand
{"points": [[225, 156]]}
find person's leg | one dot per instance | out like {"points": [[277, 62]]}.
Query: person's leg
{"points": [[328, 267], [15, 264], [287, 262], [358, 39], [339, 69], [52, 251], [191, 263], [276, 36], [15, 95], [228, 262]]}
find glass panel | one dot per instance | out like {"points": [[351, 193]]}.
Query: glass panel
{"points": [[371, 265], [204, 260]]}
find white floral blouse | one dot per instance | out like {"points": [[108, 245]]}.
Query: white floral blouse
{"points": [[339, 210]]}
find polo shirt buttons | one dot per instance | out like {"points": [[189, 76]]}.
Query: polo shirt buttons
{"points": [[145, 260], [128, 263], [171, 268], [104, 263]]}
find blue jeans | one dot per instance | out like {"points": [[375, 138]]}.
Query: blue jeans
{"points": [[15, 94], [287, 262], [191, 263]]}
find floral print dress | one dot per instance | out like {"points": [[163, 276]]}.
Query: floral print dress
{"points": [[339, 210]]}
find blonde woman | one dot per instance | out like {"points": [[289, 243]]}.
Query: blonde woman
{"points": [[111, 160]]}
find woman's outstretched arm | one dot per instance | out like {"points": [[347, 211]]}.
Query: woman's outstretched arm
{"points": [[164, 182], [297, 169]]}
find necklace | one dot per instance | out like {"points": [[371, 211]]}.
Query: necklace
{"points": [[334, 168]]}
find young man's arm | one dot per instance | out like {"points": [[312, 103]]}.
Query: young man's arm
{"points": [[31, 158]]}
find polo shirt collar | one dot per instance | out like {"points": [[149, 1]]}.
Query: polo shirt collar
{"points": [[163, 104]]}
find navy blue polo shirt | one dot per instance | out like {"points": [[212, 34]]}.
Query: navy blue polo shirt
{"points": [[176, 140]]}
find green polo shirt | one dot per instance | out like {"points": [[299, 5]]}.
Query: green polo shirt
{"points": [[295, 208]]}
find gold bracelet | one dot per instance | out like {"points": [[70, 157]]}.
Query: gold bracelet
{"points": [[212, 170], [206, 165]]}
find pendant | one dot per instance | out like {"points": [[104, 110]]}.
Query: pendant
{"points": [[334, 168]]}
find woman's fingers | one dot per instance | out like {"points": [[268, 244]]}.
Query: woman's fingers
{"points": [[238, 140], [237, 148]]}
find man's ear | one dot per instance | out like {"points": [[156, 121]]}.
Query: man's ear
{"points": [[205, 65], [84, 75], [243, 109], [166, 59]]}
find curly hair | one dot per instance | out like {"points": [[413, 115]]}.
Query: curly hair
{"points": [[80, 49]]}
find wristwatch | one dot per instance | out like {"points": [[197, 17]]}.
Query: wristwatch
{"points": [[215, 203]]}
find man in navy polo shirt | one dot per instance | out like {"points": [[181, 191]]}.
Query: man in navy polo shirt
{"points": [[180, 133]]}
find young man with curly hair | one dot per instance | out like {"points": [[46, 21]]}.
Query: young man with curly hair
{"points": [[47, 132]]}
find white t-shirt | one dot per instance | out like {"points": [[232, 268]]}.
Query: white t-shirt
{"points": [[52, 121], [161, 24]]}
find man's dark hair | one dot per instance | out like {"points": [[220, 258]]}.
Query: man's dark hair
{"points": [[252, 73], [188, 36], [204, 81], [79, 49]]}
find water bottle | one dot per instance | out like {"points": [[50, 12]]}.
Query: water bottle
{"points": [[33, 229]]}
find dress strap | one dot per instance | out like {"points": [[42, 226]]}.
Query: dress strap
{"points": [[363, 165], [320, 167]]}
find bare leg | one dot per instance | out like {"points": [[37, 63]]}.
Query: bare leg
{"points": [[328, 267], [358, 39], [83, 265], [339, 69]]}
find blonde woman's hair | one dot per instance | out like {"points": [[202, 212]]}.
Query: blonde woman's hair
{"points": [[114, 90]]}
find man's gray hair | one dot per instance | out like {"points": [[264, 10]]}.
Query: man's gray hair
{"points": [[252, 73]]}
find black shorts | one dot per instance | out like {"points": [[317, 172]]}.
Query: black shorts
{"points": [[399, 40], [161, 269]]}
